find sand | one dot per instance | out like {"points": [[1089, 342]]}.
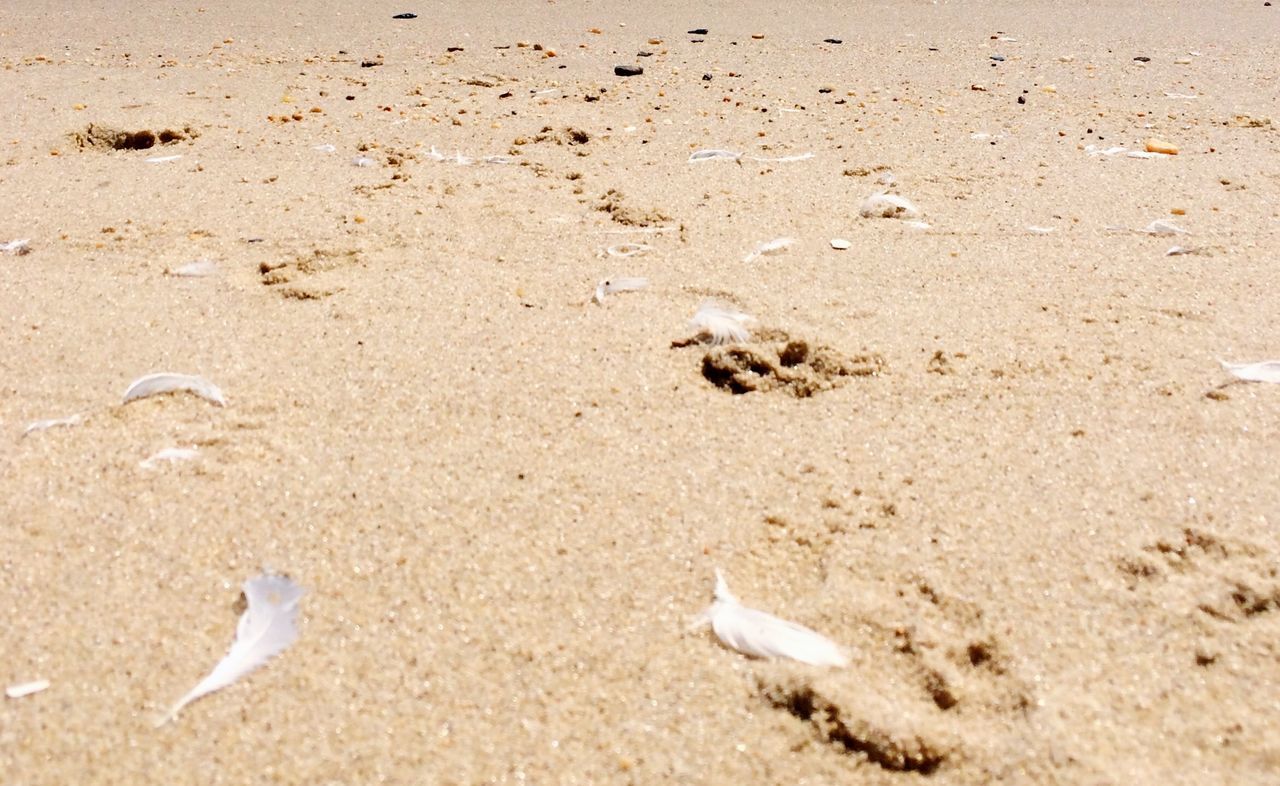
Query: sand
{"points": [[1001, 466]]}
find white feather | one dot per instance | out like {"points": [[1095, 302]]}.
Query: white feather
{"points": [[628, 249], [719, 325], [884, 205], [762, 635], [770, 248], [164, 382], [1266, 371], [41, 425], [171, 455], [16, 247], [609, 286], [1163, 226], [711, 155], [267, 627], [196, 269], [26, 689]]}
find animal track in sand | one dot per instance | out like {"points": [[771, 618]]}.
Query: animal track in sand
{"points": [[773, 361], [278, 274]]}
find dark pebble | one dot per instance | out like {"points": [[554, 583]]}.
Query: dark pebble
{"points": [[405, 16], [505, 95], [1022, 99], [696, 40], [699, 31], [455, 49], [369, 63], [933, 49], [644, 54], [824, 90], [832, 41], [998, 58], [1142, 59], [628, 70], [706, 77]]}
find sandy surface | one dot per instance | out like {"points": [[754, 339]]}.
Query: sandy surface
{"points": [[1043, 529]]}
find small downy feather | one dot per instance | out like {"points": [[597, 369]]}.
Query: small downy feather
{"points": [[769, 248], [199, 268], [719, 325], [1265, 371], [885, 205], [712, 155], [267, 627], [614, 284], [762, 635], [165, 382], [1163, 226]]}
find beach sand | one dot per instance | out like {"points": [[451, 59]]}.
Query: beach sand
{"points": [[1031, 509]]}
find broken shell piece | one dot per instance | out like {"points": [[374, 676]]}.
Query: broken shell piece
{"points": [[16, 247], [885, 205], [45, 425], [1177, 251], [171, 455], [26, 688], [628, 250], [163, 159], [770, 248], [362, 161], [196, 269], [1154, 145], [1266, 371], [1162, 226], [840, 244], [164, 382], [1035, 230], [325, 148], [614, 284]]}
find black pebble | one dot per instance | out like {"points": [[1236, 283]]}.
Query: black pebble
{"points": [[625, 70], [706, 77], [824, 90], [644, 54], [1022, 99], [698, 31], [405, 16], [998, 58], [369, 63], [696, 40], [1142, 59], [832, 41], [455, 49]]}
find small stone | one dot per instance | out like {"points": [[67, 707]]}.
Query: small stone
{"points": [[832, 41], [757, 36], [1182, 61], [1178, 211], [826, 89], [655, 41], [1022, 99], [840, 244], [626, 70], [1142, 59], [998, 58], [698, 31], [1066, 59], [1154, 145], [644, 54], [405, 15], [706, 77]]}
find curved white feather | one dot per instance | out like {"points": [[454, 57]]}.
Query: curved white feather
{"points": [[267, 627], [609, 286], [42, 425], [1265, 371], [883, 205], [720, 325], [770, 248], [164, 382], [762, 635], [712, 155]]}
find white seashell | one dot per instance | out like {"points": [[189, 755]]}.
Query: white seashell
{"points": [[171, 455], [26, 689], [16, 247], [762, 635], [614, 284], [44, 425], [362, 161], [712, 155], [885, 205], [1164, 227], [325, 148], [1036, 230], [840, 244], [164, 382], [1176, 251], [1266, 371], [770, 248], [719, 325], [628, 249], [196, 269]]}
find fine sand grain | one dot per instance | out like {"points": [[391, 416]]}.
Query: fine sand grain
{"points": [[995, 458]]}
